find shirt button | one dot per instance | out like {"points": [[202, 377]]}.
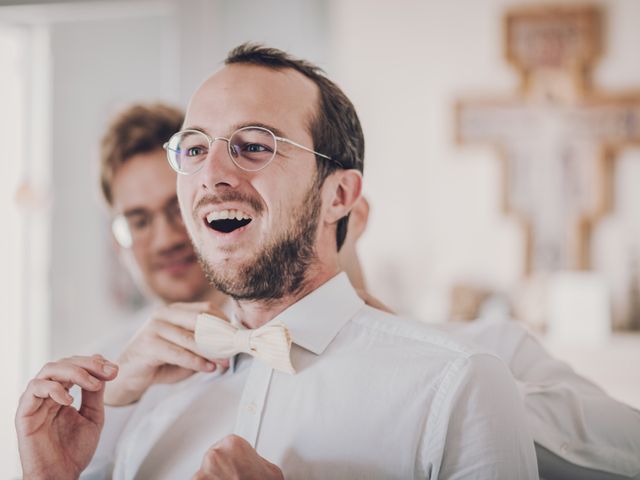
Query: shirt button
{"points": [[564, 448], [252, 408]]}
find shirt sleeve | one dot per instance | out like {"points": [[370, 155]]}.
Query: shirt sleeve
{"points": [[574, 418], [103, 460], [486, 433]]}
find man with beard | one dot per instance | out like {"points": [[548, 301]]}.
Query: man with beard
{"points": [[270, 161], [232, 453], [270, 158], [564, 449]]}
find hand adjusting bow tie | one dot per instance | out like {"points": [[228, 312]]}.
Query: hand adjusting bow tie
{"points": [[270, 343]]}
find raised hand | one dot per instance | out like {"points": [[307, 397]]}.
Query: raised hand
{"points": [[162, 351], [56, 440]]}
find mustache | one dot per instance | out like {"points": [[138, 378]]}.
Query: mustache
{"points": [[177, 249], [229, 196]]}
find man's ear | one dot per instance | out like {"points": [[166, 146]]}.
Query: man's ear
{"points": [[344, 189], [358, 219]]}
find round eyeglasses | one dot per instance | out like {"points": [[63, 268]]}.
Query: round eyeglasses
{"points": [[136, 226], [250, 148]]}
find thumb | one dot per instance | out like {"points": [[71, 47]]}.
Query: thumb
{"points": [[92, 406]]}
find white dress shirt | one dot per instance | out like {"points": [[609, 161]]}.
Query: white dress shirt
{"points": [[374, 396], [568, 416], [594, 431]]}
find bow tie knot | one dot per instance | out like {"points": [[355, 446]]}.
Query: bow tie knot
{"points": [[242, 341], [270, 343]]}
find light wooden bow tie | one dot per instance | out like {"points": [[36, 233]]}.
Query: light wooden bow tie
{"points": [[270, 343]]}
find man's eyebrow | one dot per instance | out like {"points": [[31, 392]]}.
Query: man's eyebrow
{"points": [[135, 211], [145, 211], [195, 127], [171, 199], [277, 132]]}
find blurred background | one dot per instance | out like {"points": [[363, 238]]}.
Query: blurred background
{"points": [[466, 219]]}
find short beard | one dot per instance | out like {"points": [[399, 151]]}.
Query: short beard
{"points": [[281, 267]]}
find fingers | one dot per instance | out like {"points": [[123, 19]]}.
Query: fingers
{"points": [[185, 339], [175, 355], [86, 372], [178, 316], [178, 331], [92, 406], [55, 378], [178, 335], [234, 457], [373, 301], [39, 390], [160, 343]]}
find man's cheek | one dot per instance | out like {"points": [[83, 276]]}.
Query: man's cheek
{"points": [[142, 257]]}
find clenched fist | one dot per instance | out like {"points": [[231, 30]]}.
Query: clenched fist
{"points": [[233, 458]]}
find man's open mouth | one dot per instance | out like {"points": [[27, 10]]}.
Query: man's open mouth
{"points": [[226, 221]]}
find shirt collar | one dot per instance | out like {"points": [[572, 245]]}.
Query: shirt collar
{"points": [[315, 320]]}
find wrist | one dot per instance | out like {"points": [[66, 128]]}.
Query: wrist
{"points": [[120, 395], [39, 471]]}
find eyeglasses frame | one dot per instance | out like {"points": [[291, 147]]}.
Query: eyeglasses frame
{"points": [[120, 222], [210, 139]]}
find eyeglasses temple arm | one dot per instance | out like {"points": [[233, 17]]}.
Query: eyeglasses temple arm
{"points": [[291, 142]]}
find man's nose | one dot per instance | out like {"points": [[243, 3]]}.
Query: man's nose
{"points": [[219, 169], [166, 233]]}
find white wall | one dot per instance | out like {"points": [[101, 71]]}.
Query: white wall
{"points": [[436, 215], [12, 255], [98, 66], [94, 58], [210, 28], [105, 55]]}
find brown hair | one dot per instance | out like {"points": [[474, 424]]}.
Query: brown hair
{"points": [[141, 128], [335, 129]]}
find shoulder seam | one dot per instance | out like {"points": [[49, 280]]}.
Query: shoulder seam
{"points": [[448, 342]]}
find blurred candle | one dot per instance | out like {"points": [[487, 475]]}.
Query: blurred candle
{"points": [[579, 309]]}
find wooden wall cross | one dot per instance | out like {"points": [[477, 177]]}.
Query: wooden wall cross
{"points": [[558, 136]]}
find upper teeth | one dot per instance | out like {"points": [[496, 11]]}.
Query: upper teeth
{"points": [[227, 214]]}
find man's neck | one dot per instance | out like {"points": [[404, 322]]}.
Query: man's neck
{"points": [[211, 294], [255, 313], [216, 297]]}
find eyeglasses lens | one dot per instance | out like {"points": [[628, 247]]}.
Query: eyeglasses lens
{"points": [[187, 150], [252, 148], [121, 231]]}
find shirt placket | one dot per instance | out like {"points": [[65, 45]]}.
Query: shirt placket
{"points": [[252, 402]]}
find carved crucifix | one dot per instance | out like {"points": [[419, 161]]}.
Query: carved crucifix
{"points": [[557, 137]]}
